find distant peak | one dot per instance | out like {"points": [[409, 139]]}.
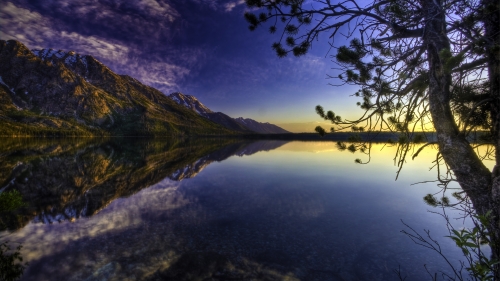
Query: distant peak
{"points": [[179, 94], [15, 43], [190, 102], [260, 127]]}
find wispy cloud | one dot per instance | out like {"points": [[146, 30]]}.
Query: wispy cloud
{"points": [[37, 31], [248, 75], [157, 9], [151, 21], [213, 4], [228, 7], [200, 47], [95, 46], [21, 24], [161, 75]]}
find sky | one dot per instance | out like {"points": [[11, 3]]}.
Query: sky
{"points": [[198, 47]]}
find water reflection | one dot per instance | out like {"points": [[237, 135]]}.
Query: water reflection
{"points": [[74, 178], [288, 214]]}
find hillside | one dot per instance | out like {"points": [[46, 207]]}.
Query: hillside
{"points": [[47, 92], [237, 124], [220, 118], [259, 127]]}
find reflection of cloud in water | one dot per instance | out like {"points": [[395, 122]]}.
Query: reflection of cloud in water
{"points": [[159, 197], [152, 234], [61, 182], [121, 214], [302, 214]]}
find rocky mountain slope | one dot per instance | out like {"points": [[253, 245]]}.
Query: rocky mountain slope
{"points": [[191, 102], [220, 118], [263, 128], [238, 124], [48, 92]]}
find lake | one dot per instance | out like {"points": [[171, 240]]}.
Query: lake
{"points": [[218, 209]]}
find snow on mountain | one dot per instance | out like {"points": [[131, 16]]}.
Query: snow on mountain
{"points": [[3, 83], [69, 58], [190, 102]]}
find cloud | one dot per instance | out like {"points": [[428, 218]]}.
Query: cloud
{"points": [[219, 5], [37, 31], [160, 75], [228, 7], [208, 3], [157, 9], [166, 71], [141, 21], [162, 68], [22, 25], [95, 46], [147, 39], [253, 74], [200, 47]]}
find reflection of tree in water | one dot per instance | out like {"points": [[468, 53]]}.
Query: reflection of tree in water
{"points": [[68, 179], [214, 266], [11, 265]]}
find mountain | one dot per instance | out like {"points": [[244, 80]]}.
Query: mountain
{"points": [[239, 124], [263, 128], [220, 118], [191, 102], [49, 92]]}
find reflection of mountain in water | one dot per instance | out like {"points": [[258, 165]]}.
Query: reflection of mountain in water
{"points": [[68, 179], [240, 149]]}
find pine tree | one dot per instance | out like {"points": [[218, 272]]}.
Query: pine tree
{"points": [[414, 62]]}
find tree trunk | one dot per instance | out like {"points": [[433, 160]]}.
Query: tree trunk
{"points": [[473, 176]]}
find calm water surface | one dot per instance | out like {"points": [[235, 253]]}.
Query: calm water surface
{"points": [[217, 210]]}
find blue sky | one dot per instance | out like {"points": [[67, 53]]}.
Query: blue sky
{"points": [[198, 47]]}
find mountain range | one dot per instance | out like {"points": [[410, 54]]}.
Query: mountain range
{"points": [[238, 124], [56, 93]]}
